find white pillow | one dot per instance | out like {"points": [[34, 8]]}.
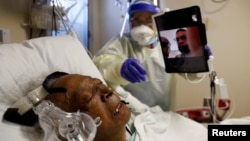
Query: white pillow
{"points": [[25, 65]]}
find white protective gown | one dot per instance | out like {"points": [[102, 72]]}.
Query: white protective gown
{"points": [[158, 89]]}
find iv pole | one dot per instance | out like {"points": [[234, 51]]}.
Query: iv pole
{"points": [[125, 19], [213, 79], [213, 97]]}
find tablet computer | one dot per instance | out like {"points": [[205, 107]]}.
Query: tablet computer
{"points": [[182, 36]]}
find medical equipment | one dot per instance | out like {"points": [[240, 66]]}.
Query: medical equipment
{"points": [[199, 114], [58, 124], [26, 103], [50, 15], [223, 103], [138, 5], [126, 17], [143, 5], [212, 105], [193, 36], [21, 111]]}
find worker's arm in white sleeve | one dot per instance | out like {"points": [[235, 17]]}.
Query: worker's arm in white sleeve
{"points": [[109, 60]]}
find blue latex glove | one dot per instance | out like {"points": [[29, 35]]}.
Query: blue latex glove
{"points": [[133, 71], [208, 51]]}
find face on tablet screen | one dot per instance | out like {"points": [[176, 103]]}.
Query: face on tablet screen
{"points": [[183, 42], [184, 33]]}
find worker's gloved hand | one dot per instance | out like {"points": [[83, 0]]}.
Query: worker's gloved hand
{"points": [[208, 51], [133, 71]]}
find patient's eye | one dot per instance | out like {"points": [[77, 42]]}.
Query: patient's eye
{"points": [[89, 98], [107, 95]]}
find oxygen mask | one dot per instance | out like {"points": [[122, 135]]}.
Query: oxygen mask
{"points": [[59, 125]]}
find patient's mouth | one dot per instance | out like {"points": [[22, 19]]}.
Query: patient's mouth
{"points": [[117, 109]]}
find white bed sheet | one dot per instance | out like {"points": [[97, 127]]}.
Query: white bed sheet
{"points": [[25, 65]]}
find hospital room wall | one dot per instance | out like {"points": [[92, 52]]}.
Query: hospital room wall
{"points": [[13, 14], [106, 21], [227, 34]]}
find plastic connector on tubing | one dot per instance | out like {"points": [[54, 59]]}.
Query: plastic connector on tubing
{"points": [[210, 63], [211, 57], [224, 104], [26, 103]]}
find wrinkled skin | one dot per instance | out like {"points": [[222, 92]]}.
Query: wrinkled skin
{"points": [[91, 96]]}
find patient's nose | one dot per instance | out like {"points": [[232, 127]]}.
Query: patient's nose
{"points": [[107, 95]]}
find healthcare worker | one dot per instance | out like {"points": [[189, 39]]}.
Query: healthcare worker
{"points": [[135, 62]]}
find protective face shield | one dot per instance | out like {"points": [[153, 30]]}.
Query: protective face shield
{"points": [[144, 35], [143, 5]]}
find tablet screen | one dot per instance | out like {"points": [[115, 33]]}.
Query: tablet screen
{"points": [[182, 37]]}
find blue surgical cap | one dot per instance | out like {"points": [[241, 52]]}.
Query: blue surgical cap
{"points": [[143, 5]]}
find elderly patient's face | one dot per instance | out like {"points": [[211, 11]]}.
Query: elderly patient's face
{"points": [[91, 96]]}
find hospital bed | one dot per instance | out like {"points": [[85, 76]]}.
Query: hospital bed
{"points": [[25, 65]]}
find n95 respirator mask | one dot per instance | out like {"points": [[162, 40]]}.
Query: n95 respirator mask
{"points": [[143, 35]]}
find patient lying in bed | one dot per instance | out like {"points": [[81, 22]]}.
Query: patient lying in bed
{"points": [[74, 92]]}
